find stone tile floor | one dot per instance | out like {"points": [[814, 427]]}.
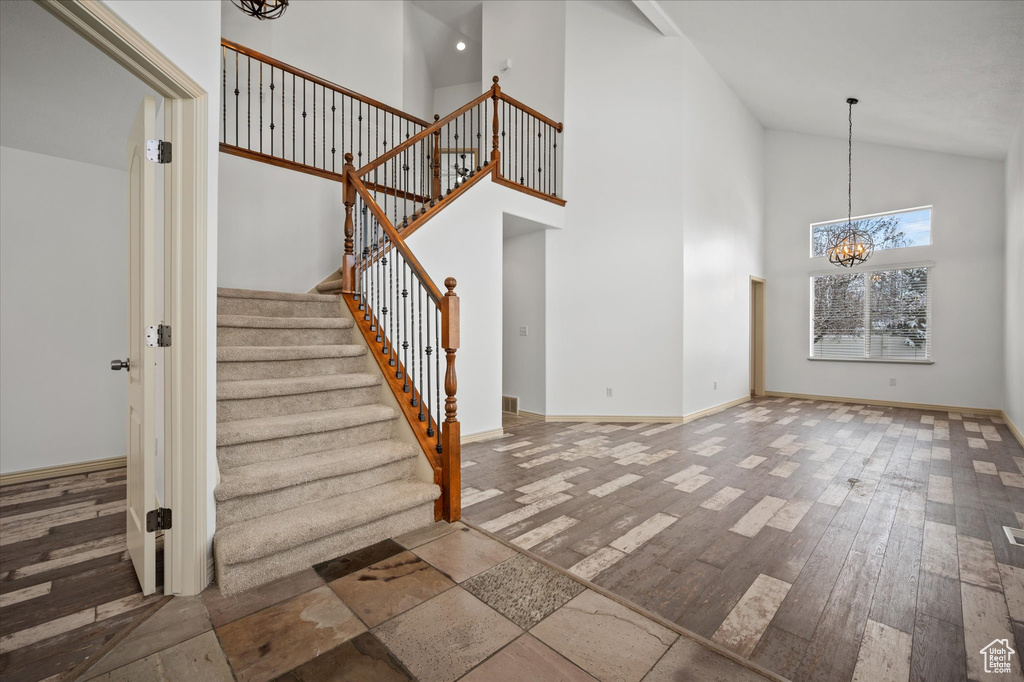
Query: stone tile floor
{"points": [[443, 603]]}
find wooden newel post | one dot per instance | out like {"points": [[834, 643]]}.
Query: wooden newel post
{"points": [[451, 446], [435, 183], [495, 94], [348, 263]]}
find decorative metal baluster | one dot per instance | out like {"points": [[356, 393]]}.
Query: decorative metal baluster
{"points": [[360, 155], [437, 375], [303, 120], [405, 179], [430, 350], [405, 327], [385, 264], [261, 107], [448, 145], [375, 281], [284, 104], [293, 117], [537, 177], [237, 93], [314, 124], [418, 402], [351, 127], [334, 148], [323, 128], [224, 88], [248, 102], [271, 110], [554, 174]]}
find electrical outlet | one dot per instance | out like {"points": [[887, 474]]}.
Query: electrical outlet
{"points": [[524, 331], [608, 392], [892, 381]]}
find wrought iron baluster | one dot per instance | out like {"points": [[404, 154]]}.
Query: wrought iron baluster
{"points": [[271, 110], [334, 149], [404, 371], [261, 106], [430, 350], [284, 104], [360, 155], [405, 178], [237, 93], [248, 102], [314, 124], [418, 401], [323, 127], [303, 120]]}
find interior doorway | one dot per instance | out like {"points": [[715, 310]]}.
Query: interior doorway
{"points": [[757, 336]]}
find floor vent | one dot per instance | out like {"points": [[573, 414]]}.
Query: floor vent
{"points": [[1014, 535], [510, 404]]}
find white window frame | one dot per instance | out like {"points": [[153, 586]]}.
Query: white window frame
{"points": [[836, 221], [865, 269]]}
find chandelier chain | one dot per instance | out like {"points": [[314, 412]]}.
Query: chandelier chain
{"points": [[849, 171]]}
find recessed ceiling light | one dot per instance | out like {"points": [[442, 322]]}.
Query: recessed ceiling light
{"points": [[460, 46]]}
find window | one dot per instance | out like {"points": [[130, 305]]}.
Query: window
{"points": [[881, 315], [912, 227]]}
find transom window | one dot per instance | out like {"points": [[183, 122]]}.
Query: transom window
{"points": [[897, 230], [875, 315]]}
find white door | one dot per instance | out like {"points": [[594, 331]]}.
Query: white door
{"points": [[141, 371]]}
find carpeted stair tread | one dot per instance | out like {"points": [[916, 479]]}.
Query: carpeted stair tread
{"points": [[261, 477], [282, 531], [258, 322], [273, 295], [265, 388], [269, 428], [275, 353], [333, 285]]}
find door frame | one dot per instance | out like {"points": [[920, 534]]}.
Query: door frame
{"points": [[758, 311], [185, 282]]}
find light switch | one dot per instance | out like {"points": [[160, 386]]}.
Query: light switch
{"points": [[524, 331]]}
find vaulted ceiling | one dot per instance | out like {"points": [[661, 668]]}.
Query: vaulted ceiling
{"points": [[944, 76]]}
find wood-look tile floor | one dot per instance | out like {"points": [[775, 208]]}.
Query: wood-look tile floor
{"points": [[443, 603], [66, 583], [821, 540]]}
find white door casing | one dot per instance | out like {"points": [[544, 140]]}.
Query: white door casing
{"points": [[141, 373]]}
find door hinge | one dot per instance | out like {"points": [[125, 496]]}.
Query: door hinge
{"points": [[158, 150], [158, 335], [158, 519]]}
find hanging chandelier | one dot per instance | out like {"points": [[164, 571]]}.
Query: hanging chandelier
{"points": [[262, 9], [848, 245]]}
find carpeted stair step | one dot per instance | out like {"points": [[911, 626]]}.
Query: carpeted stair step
{"points": [[332, 287], [276, 304], [275, 545], [257, 398], [265, 488], [258, 440], [251, 330], [241, 363]]}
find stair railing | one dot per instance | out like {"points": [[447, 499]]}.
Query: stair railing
{"points": [[397, 172], [282, 115]]}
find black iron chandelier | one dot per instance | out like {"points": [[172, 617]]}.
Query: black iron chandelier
{"points": [[848, 245], [262, 9]]}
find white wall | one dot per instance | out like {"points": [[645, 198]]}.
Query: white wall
{"points": [[417, 87], [62, 313], [188, 33], [698, 197], [448, 99], [1014, 310], [279, 230], [524, 305], [465, 241], [806, 183]]}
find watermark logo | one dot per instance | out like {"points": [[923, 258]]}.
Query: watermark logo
{"points": [[997, 656]]}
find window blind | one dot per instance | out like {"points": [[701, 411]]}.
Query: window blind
{"points": [[881, 315]]}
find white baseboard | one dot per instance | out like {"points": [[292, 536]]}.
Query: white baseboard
{"points": [[44, 473], [1013, 429], [635, 419], [483, 435], [886, 403]]}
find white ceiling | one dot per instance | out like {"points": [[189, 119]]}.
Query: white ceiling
{"points": [[440, 25], [59, 95], [937, 75]]}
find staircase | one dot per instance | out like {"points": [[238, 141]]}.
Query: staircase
{"points": [[310, 466], [335, 408]]}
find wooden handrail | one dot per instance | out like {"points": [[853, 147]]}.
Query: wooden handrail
{"points": [[422, 135], [396, 240], [530, 110], [259, 56]]}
